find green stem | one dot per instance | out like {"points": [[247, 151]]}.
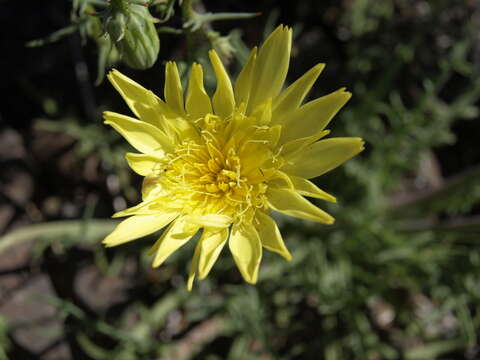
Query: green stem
{"points": [[187, 15], [187, 10], [438, 195], [463, 224], [209, 17], [90, 229]]}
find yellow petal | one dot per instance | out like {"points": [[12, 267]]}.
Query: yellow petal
{"points": [[142, 102], [243, 84], [144, 208], [138, 226], [223, 99], [142, 136], [280, 180], [193, 267], [210, 220], [212, 243], [152, 188], [293, 96], [274, 133], [289, 202], [263, 113], [296, 146], [271, 67], [322, 157], [313, 116], [206, 253], [144, 164], [183, 130], [256, 145], [174, 237], [198, 102], [173, 88], [253, 163], [270, 235], [307, 188], [246, 249]]}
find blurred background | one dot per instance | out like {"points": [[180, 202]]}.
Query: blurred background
{"points": [[397, 277]]}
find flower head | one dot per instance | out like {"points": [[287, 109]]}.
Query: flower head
{"points": [[218, 165]]}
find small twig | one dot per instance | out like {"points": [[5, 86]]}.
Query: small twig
{"points": [[464, 224], [16, 270], [196, 338], [92, 228], [83, 78], [198, 20], [444, 190]]}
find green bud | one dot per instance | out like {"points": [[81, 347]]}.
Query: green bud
{"points": [[107, 53], [116, 26], [131, 28]]}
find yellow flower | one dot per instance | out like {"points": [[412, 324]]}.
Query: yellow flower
{"points": [[220, 164]]}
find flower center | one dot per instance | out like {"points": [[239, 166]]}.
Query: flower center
{"points": [[222, 172]]}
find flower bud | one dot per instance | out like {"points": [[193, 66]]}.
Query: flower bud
{"points": [[131, 28], [116, 26]]}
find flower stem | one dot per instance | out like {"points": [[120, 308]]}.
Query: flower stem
{"points": [[87, 229]]}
